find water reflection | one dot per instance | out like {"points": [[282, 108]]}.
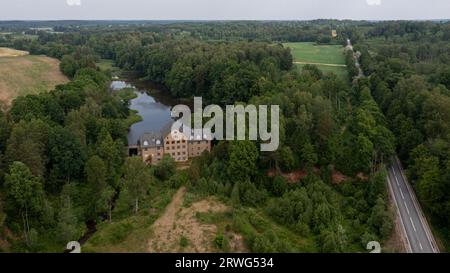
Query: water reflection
{"points": [[154, 112]]}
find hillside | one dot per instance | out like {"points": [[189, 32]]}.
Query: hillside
{"points": [[26, 74]]}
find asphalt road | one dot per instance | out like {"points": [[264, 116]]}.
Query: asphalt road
{"points": [[417, 232]]}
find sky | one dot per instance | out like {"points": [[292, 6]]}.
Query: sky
{"points": [[224, 9]]}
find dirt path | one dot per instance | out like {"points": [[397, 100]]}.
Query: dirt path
{"points": [[178, 221], [165, 223], [333, 65]]}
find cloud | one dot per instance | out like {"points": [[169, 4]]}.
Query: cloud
{"points": [[373, 2], [74, 2]]}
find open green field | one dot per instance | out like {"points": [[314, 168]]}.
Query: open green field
{"points": [[27, 74], [312, 53], [328, 58], [104, 64]]}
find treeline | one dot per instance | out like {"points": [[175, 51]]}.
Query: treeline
{"points": [[266, 31], [219, 72], [412, 30], [410, 81]]}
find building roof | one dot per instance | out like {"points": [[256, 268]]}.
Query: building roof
{"points": [[151, 140]]}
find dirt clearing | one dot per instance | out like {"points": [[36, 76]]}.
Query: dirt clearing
{"points": [[178, 229]]}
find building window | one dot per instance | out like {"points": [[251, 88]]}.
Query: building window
{"points": [[167, 142], [173, 142], [178, 142]]}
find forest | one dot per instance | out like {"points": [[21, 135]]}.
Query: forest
{"points": [[62, 154], [409, 74]]}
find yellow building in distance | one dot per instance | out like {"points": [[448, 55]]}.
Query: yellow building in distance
{"points": [[334, 33]]}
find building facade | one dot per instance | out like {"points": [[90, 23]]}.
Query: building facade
{"points": [[153, 146]]}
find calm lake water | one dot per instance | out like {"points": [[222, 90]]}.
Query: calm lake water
{"points": [[152, 105]]}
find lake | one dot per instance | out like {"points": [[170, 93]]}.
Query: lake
{"points": [[151, 103]]}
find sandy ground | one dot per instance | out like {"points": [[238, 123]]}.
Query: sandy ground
{"points": [[178, 221], [297, 175]]}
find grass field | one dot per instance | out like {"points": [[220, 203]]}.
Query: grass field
{"points": [[22, 74], [328, 58], [108, 65], [9, 52]]}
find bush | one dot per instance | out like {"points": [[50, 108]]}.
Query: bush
{"points": [[219, 241], [165, 169], [184, 242], [120, 232]]}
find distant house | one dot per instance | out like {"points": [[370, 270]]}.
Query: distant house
{"points": [[334, 33], [175, 143]]}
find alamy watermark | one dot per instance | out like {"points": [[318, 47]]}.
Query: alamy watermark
{"points": [[240, 122]]}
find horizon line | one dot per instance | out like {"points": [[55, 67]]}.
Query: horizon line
{"points": [[220, 20]]}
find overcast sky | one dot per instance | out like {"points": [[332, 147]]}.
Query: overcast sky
{"points": [[224, 9]]}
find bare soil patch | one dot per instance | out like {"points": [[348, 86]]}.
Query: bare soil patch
{"points": [[338, 177], [297, 175], [179, 222], [291, 177]]}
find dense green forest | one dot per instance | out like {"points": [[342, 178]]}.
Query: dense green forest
{"points": [[409, 77], [62, 153]]}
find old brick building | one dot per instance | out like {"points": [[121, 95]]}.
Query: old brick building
{"points": [[180, 146]]}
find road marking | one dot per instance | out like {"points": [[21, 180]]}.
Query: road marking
{"points": [[420, 246], [401, 192], [396, 180], [406, 206], [412, 223], [391, 190]]}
